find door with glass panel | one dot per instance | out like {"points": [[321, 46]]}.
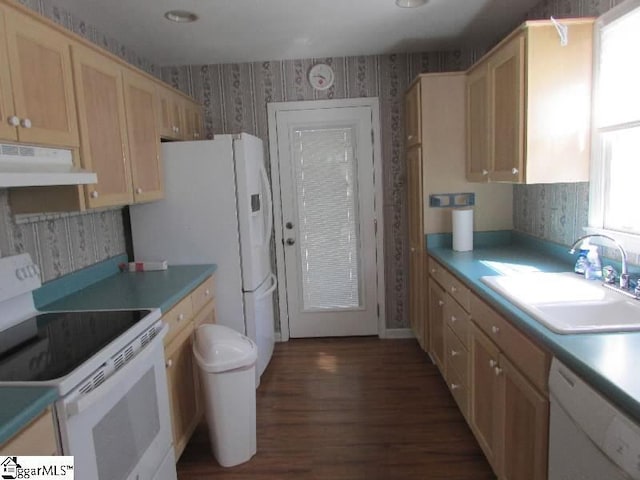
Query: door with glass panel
{"points": [[328, 217]]}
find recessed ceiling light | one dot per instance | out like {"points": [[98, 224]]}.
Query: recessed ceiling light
{"points": [[410, 3], [182, 16]]}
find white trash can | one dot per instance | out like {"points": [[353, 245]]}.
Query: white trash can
{"points": [[227, 370]]}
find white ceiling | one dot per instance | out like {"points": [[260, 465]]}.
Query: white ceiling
{"points": [[256, 30]]}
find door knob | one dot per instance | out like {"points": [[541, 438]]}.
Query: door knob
{"points": [[290, 241], [289, 225]]}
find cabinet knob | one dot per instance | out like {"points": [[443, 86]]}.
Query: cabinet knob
{"points": [[207, 292], [454, 289], [498, 371], [25, 123], [440, 303], [485, 172], [169, 363], [453, 319], [495, 330], [433, 270], [94, 194], [181, 317], [515, 171], [138, 190], [454, 386], [13, 121], [454, 353], [493, 363]]}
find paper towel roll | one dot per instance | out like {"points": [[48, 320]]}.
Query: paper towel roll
{"points": [[462, 222]]}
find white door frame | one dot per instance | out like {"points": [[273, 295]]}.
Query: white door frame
{"points": [[272, 109]]}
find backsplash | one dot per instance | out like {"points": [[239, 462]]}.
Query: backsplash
{"points": [[235, 98], [61, 244], [65, 243]]}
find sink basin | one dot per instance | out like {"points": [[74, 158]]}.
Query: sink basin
{"points": [[567, 303]]}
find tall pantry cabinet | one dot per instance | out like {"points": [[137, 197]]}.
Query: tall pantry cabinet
{"points": [[413, 143], [434, 141]]}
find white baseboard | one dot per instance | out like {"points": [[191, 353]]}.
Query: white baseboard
{"points": [[397, 333], [277, 336]]}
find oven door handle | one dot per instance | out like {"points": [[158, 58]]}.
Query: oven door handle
{"points": [[76, 407]]}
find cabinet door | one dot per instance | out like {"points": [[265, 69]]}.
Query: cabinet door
{"points": [[185, 409], [485, 395], [525, 427], [144, 142], [436, 323], [7, 131], [41, 78], [506, 74], [167, 116], [478, 125], [416, 240], [413, 123], [198, 128], [104, 144]]}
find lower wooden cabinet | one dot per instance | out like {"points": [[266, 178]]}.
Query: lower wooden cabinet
{"points": [[436, 323], [37, 438], [497, 376], [485, 394], [509, 417], [183, 382]]}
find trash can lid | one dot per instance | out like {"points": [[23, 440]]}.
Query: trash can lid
{"points": [[219, 349]]}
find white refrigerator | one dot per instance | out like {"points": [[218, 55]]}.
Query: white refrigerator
{"points": [[217, 209]]}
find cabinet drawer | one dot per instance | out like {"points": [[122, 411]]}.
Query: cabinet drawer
{"points": [[38, 438], [528, 357], [438, 272], [459, 390], [457, 319], [457, 356], [451, 284], [177, 318], [202, 295]]}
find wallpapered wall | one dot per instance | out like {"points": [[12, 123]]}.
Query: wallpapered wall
{"points": [[61, 244], [557, 212], [235, 98]]}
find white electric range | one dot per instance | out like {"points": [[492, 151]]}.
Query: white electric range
{"points": [[108, 367]]}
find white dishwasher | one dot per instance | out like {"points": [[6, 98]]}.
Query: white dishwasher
{"points": [[589, 439]]}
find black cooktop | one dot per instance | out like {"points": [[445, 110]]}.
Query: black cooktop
{"points": [[51, 345]]}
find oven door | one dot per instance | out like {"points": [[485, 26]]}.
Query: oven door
{"points": [[121, 429]]}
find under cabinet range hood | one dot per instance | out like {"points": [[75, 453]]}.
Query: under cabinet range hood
{"points": [[29, 166]]}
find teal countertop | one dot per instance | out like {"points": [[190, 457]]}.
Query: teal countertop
{"points": [[20, 405], [160, 289], [607, 361]]}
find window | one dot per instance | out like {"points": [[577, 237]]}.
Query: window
{"points": [[615, 173]]}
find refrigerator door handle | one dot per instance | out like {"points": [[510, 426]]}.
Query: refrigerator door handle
{"points": [[267, 187], [270, 290]]}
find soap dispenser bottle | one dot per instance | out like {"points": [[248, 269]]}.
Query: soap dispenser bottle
{"points": [[582, 263], [594, 265]]}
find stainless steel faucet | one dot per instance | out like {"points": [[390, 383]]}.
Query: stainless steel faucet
{"points": [[624, 275]]}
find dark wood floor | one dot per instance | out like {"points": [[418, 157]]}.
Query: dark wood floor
{"points": [[352, 408]]}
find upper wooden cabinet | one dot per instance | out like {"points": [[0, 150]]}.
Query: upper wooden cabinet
{"points": [[144, 141], [7, 131], [169, 114], [528, 106], [38, 103], [104, 146], [193, 129], [178, 118]]}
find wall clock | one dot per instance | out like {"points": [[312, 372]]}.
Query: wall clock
{"points": [[321, 76]]}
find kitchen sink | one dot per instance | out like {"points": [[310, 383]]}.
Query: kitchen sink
{"points": [[567, 303]]}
